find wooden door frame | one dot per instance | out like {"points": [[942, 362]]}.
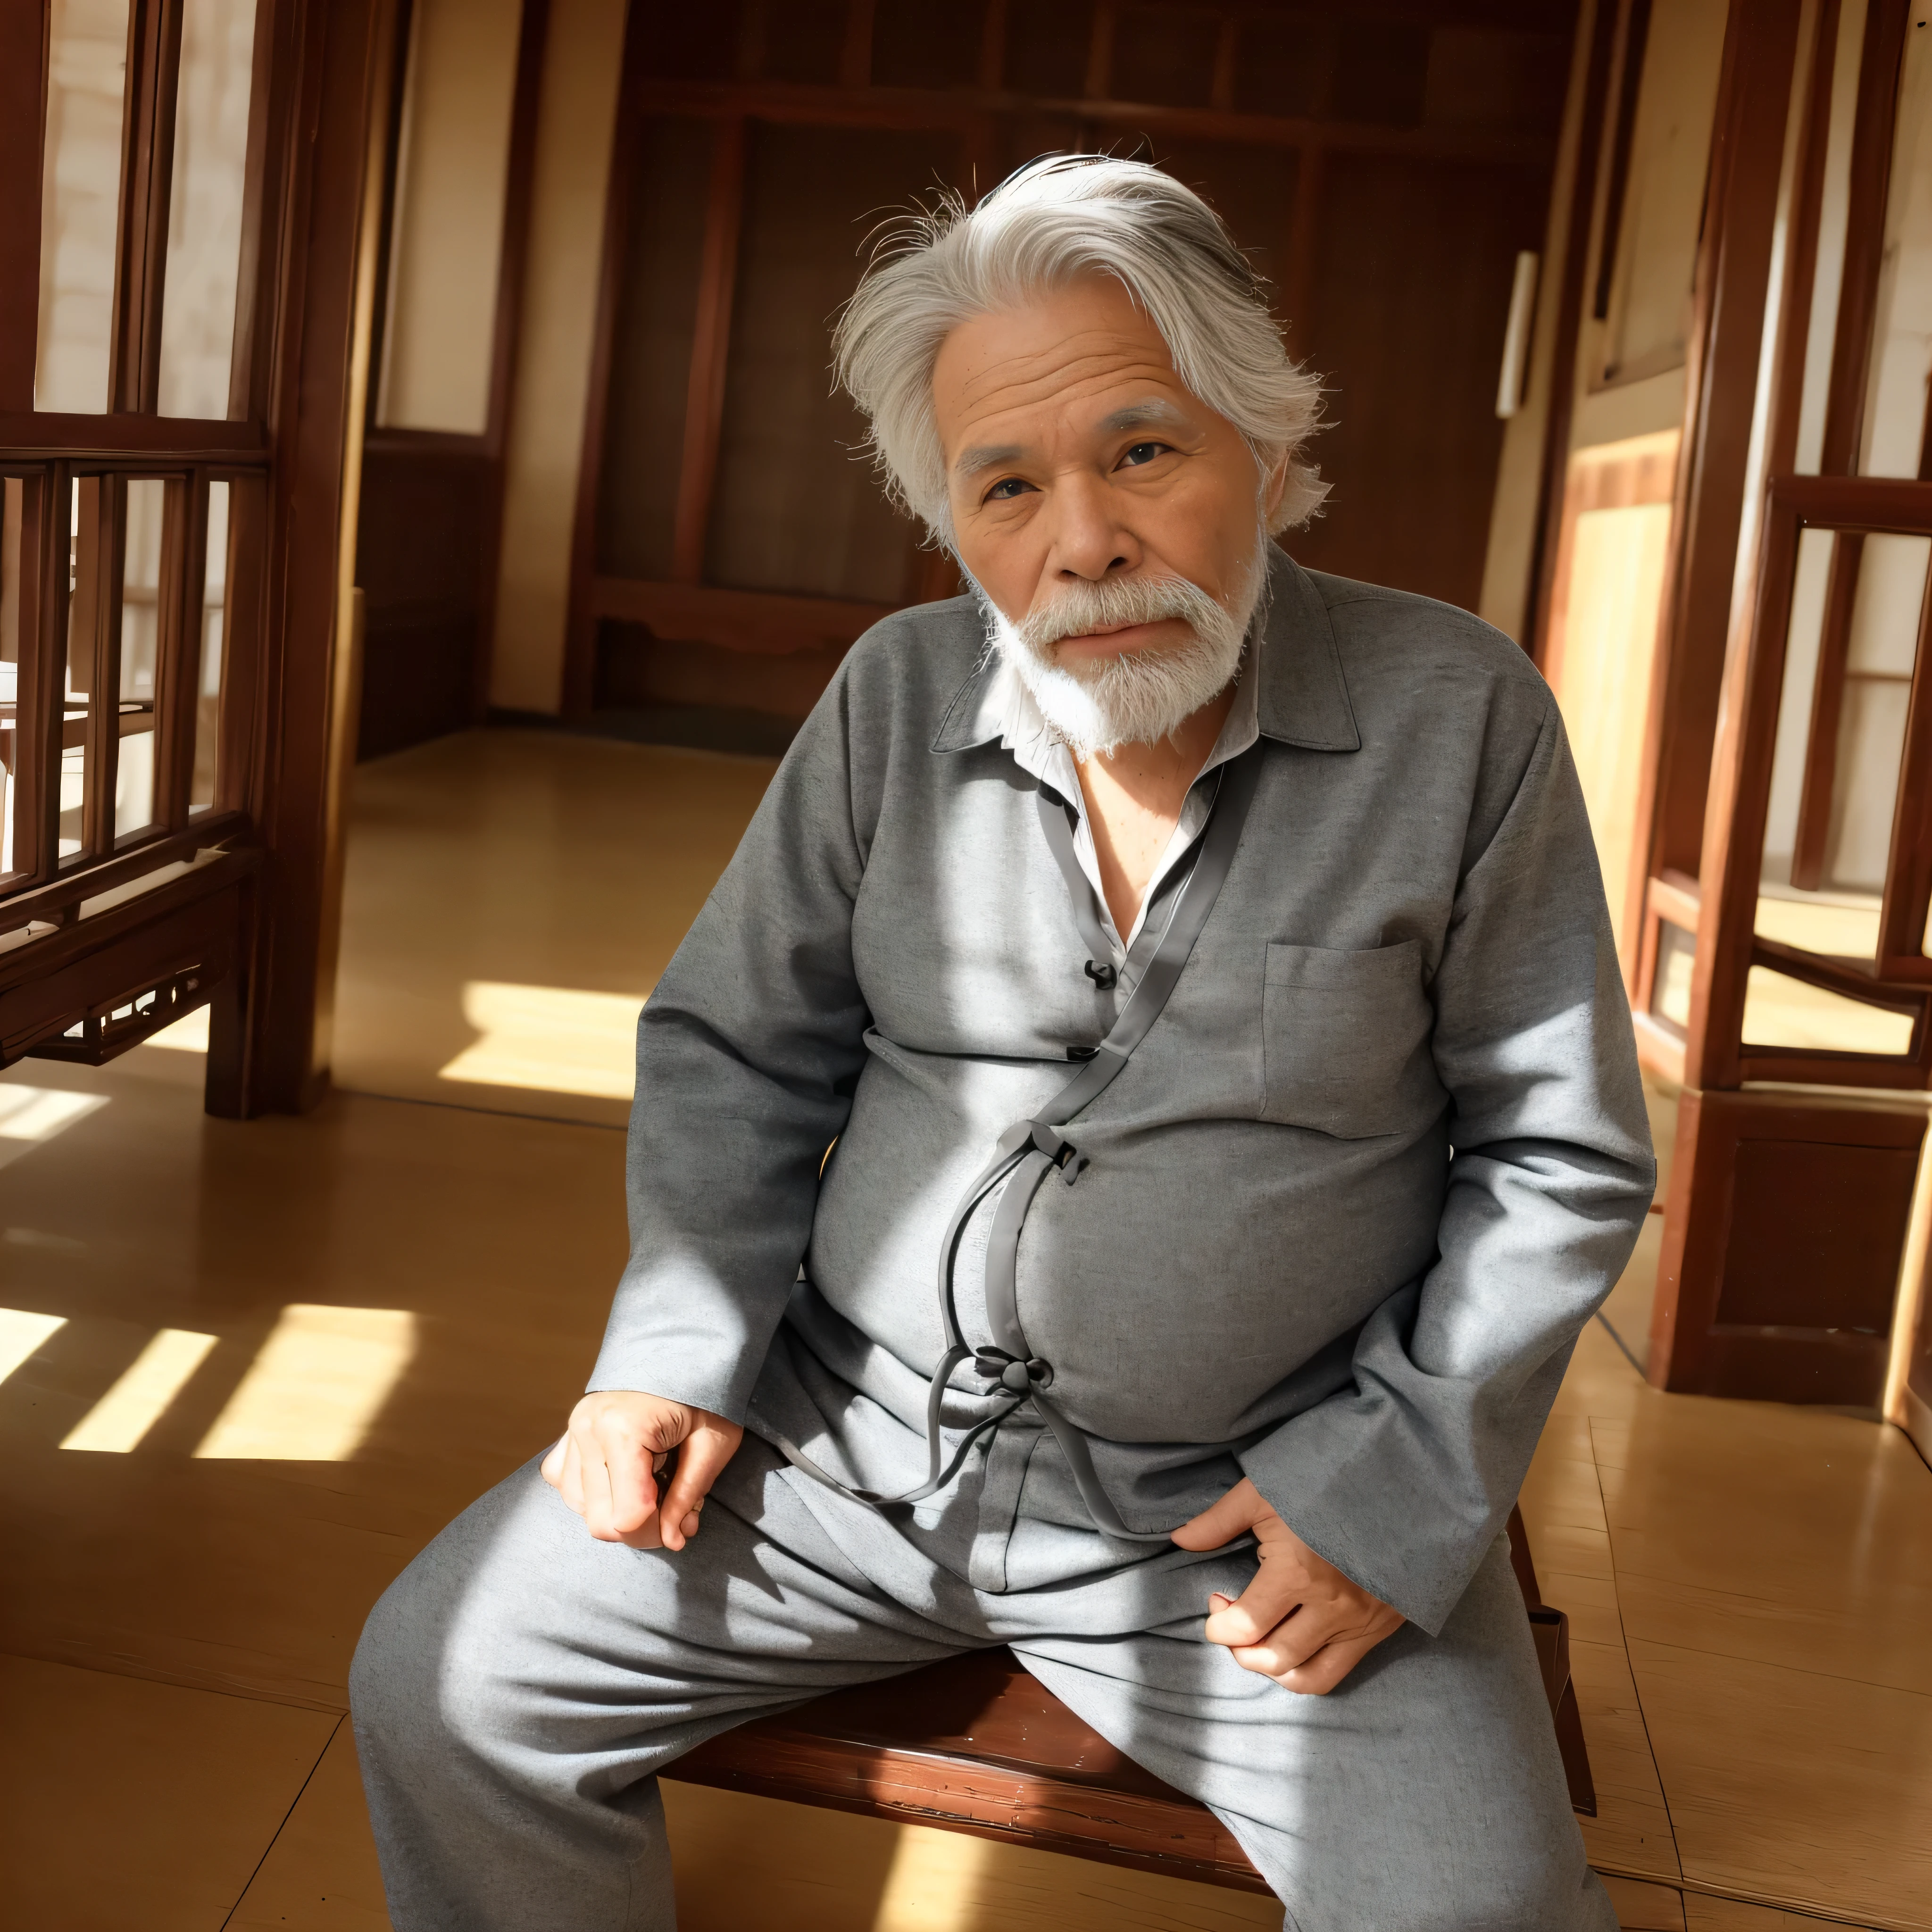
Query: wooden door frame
{"points": [[1586, 233]]}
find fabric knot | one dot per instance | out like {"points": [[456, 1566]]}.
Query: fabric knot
{"points": [[1017, 1377]]}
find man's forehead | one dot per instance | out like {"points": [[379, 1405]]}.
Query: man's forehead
{"points": [[1003, 385], [1017, 360]]}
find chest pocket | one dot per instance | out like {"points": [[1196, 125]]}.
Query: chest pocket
{"points": [[1345, 1039]]}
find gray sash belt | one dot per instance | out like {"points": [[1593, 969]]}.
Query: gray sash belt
{"points": [[1030, 1150]]}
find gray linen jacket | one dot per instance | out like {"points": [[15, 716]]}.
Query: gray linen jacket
{"points": [[1350, 1203]]}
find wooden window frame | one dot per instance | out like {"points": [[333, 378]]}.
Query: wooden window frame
{"points": [[130, 440], [263, 930], [1712, 888], [1712, 1051]]}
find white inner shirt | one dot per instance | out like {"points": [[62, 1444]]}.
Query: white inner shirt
{"points": [[1008, 707]]}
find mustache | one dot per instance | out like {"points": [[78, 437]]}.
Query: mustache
{"points": [[1116, 602]]}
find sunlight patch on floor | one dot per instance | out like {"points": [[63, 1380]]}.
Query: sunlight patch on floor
{"points": [[30, 1115], [933, 1883], [311, 1392], [557, 1040], [116, 1424], [21, 1334]]}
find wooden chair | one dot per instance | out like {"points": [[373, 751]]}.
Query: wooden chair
{"points": [[976, 1745]]}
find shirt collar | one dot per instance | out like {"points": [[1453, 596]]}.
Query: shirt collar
{"points": [[1293, 692]]}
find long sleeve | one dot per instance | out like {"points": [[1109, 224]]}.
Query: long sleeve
{"points": [[747, 1054], [1403, 1479]]}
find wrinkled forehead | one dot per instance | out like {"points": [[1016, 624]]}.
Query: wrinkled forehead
{"points": [[1085, 360], [1152, 413]]}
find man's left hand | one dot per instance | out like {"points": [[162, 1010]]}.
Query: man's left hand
{"points": [[1300, 1621]]}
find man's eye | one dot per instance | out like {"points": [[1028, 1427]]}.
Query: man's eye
{"points": [[1145, 452], [1007, 489]]}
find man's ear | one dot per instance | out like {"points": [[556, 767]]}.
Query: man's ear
{"points": [[1274, 485]]}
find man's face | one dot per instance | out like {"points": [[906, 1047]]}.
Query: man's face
{"points": [[1075, 454]]}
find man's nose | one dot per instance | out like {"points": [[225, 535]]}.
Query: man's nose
{"points": [[1088, 538]]}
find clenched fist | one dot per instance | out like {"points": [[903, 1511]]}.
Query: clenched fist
{"points": [[608, 1464]]}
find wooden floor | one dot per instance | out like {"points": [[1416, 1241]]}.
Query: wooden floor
{"points": [[281, 1354]]}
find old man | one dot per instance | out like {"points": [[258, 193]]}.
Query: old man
{"points": [[1198, 970]]}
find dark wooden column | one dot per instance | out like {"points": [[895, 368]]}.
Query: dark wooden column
{"points": [[309, 685]]}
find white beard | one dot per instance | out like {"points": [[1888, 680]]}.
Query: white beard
{"points": [[1134, 697]]}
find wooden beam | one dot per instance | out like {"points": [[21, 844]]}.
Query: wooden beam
{"points": [[74, 941], [339, 68], [23, 67], [51, 902], [1570, 282], [1873, 131], [147, 147], [855, 56], [518, 191], [1851, 979], [1734, 841], [1802, 259], [1099, 85], [993, 47], [580, 640], [263, 172], [1675, 898], [43, 591], [1633, 38], [800, 104], [710, 351], [1221, 93], [1732, 286], [1901, 505], [159, 441], [92, 636], [1304, 241], [177, 661]]}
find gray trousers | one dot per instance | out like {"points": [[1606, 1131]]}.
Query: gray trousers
{"points": [[520, 1685]]}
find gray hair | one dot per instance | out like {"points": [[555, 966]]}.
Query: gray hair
{"points": [[1058, 218]]}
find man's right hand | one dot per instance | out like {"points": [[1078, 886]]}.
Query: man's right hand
{"points": [[607, 1466]]}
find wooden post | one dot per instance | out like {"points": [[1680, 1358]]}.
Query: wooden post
{"points": [[1827, 698]]}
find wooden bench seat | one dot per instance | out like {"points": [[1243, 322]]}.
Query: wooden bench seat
{"points": [[977, 1744]]}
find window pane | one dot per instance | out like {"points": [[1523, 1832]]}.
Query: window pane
{"points": [[1676, 960], [1851, 648], [1882, 648], [1780, 1011], [204, 206], [208, 687], [80, 201], [446, 239], [12, 496], [1896, 416], [78, 683], [140, 633]]}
